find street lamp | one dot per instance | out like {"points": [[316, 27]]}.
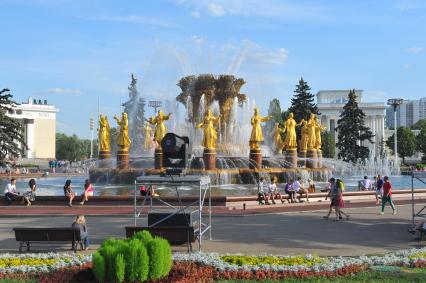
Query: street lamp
{"points": [[395, 102], [155, 104]]}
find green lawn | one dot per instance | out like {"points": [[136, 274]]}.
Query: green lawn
{"points": [[404, 275]]}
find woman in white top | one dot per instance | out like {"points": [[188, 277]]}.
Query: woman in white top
{"points": [[299, 189], [273, 190]]}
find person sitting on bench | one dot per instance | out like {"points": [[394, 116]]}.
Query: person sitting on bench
{"points": [[299, 189], [364, 185], [80, 223], [289, 191], [273, 191], [12, 194], [263, 193]]}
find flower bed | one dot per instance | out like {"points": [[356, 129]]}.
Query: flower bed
{"points": [[36, 263]]}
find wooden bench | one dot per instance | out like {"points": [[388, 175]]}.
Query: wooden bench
{"points": [[26, 236], [176, 235]]}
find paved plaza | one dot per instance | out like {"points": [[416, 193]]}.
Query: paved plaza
{"points": [[279, 233]]}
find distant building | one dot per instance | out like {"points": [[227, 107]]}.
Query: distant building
{"points": [[39, 119], [330, 105], [407, 114]]}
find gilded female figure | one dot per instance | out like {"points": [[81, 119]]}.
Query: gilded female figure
{"points": [[256, 136], [147, 131], [160, 128], [311, 125], [290, 141], [278, 141], [104, 133], [304, 135], [123, 140], [210, 133], [318, 129]]}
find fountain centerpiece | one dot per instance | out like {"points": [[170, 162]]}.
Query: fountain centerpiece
{"points": [[224, 89]]}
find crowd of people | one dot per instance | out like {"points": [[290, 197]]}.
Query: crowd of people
{"points": [[12, 195], [295, 190]]}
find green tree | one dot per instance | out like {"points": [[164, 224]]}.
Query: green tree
{"points": [[328, 146], [406, 143], [302, 103], [12, 142], [352, 132], [421, 142], [72, 148], [420, 124]]}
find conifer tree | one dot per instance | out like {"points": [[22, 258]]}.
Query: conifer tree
{"points": [[135, 109], [352, 133], [12, 142], [303, 102]]}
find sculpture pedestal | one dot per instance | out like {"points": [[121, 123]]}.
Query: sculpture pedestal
{"points": [[302, 161], [104, 159], [291, 157], [319, 156], [209, 157], [255, 159], [158, 158], [311, 158], [122, 159]]}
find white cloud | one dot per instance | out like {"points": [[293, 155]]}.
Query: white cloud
{"points": [[134, 19], [407, 66], [410, 5], [415, 49], [253, 8], [216, 10], [65, 91], [195, 14], [198, 40]]}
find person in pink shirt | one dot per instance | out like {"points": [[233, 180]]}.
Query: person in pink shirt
{"points": [[88, 191], [387, 195]]}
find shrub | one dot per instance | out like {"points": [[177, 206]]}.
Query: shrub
{"points": [[144, 236], [119, 268], [159, 258], [137, 261], [109, 253], [98, 263]]}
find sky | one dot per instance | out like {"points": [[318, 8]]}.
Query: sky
{"points": [[75, 53]]}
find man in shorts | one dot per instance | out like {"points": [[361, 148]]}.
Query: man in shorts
{"points": [[299, 189]]}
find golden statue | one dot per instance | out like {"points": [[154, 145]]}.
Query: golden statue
{"points": [[123, 140], [318, 129], [256, 136], [311, 125], [104, 134], [290, 141], [147, 131], [160, 128], [278, 141], [304, 135], [210, 133]]}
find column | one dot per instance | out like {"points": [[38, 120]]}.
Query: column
{"points": [[30, 138]]}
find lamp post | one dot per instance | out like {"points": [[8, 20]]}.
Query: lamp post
{"points": [[92, 126], [155, 104], [395, 102]]}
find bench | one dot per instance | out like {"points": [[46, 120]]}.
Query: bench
{"points": [[176, 235], [26, 236]]}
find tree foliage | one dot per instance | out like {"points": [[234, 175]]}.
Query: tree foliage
{"points": [[420, 124], [302, 103], [421, 142], [406, 143], [274, 110], [12, 142], [328, 145], [72, 148], [352, 132]]}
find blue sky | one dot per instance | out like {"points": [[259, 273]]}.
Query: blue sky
{"points": [[72, 52]]}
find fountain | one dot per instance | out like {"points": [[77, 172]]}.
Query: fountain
{"points": [[228, 148]]}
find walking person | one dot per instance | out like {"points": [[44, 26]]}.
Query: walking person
{"points": [[80, 223], [68, 192], [387, 196], [332, 194], [340, 202], [289, 191], [88, 191], [379, 189], [30, 196]]}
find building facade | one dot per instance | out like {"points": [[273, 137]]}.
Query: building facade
{"points": [[330, 104], [39, 119], [407, 114]]}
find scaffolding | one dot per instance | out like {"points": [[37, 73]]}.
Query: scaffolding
{"points": [[204, 184], [420, 176]]}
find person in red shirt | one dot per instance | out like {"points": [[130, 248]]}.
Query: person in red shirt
{"points": [[387, 195]]}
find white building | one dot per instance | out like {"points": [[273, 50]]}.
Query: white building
{"points": [[407, 114], [39, 120], [330, 105]]}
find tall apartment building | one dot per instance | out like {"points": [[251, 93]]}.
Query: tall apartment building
{"points": [[407, 114]]}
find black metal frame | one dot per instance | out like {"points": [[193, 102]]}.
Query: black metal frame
{"points": [[421, 176]]}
